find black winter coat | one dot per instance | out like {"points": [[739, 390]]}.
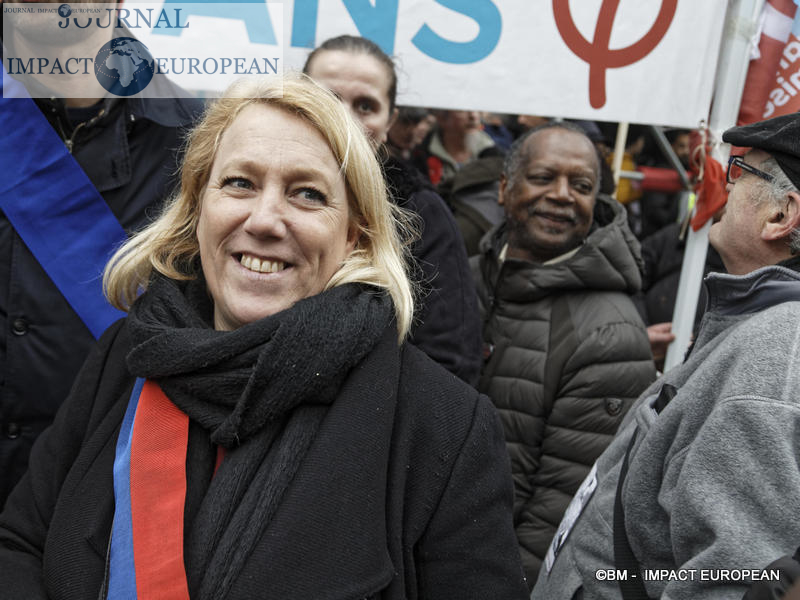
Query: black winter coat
{"points": [[662, 253], [569, 357], [404, 493], [447, 325], [130, 156]]}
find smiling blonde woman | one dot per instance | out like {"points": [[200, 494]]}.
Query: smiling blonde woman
{"points": [[256, 426]]}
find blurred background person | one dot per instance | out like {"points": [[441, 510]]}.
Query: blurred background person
{"points": [[495, 125], [405, 133], [661, 209], [456, 140]]}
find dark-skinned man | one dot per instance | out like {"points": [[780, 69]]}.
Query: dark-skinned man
{"points": [[566, 352]]}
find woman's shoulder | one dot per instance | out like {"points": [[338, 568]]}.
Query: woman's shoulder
{"points": [[419, 372], [104, 378], [111, 348], [436, 402]]}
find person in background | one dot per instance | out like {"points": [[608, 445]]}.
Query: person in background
{"points": [[662, 253], [473, 199], [566, 352], [256, 427], [528, 122], [661, 209], [455, 141], [403, 135], [128, 148], [494, 124], [447, 326], [703, 476]]}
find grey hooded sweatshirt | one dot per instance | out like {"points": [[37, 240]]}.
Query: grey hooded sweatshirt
{"points": [[714, 479]]}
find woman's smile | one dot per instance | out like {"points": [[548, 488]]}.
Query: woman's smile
{"points": [[258, 265]]}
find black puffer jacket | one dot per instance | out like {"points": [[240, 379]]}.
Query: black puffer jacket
{"points": [[569, 355]]}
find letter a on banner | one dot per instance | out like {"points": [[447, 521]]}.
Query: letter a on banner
{"points": [[54, 207]]}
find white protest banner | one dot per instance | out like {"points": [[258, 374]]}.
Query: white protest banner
{"points": [[649, 61]]}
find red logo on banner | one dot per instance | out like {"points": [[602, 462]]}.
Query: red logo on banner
{"points": [[597, 53]]}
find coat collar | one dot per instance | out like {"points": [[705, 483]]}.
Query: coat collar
{"points": [[730, 295]]}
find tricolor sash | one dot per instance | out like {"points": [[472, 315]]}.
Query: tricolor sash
{"points": [[146, 553], [54, 207]]}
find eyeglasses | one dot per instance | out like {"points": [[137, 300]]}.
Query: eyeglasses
{"points": [[737, 166]]}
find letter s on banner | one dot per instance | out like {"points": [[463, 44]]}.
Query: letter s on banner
{"points": [[484, 12]]}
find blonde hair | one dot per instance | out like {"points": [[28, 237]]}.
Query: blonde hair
{"points": [[169, 245]]}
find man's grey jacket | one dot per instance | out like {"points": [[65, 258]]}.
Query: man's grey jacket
{"points": [[714, 478]]}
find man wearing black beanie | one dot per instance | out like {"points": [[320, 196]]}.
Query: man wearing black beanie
{"points": [[699, 490]]}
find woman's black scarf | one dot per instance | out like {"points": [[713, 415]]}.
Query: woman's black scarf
{"points": [[260, 392]]}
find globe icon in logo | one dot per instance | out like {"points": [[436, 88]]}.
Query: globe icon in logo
{"points": [[124, 66], [64, 11]]}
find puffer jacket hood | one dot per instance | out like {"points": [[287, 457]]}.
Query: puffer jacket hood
{"points": [[609, 260]]}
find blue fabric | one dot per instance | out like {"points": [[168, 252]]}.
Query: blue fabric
{"points": [[54, 207], [122, 572]]}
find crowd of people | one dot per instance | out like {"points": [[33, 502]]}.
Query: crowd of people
{"points": [[374, 351]]}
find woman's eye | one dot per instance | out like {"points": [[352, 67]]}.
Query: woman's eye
{"points": [[364, 106], [312, 194], [237, 182]]}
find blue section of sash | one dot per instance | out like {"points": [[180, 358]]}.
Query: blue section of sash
{"points": [[54, 207], [122, 572]]}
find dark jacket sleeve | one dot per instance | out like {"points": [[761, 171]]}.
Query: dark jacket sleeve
{"points": [[472, 523], [25, 520], [447, 326]]}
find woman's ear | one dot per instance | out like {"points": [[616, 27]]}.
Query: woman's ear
{"points": [[782, 220], [354, 233]]}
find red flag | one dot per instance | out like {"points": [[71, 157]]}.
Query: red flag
{"points": [[772, 86], [709, 178]]}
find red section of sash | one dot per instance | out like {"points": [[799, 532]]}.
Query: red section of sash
{"points": [[220, 456], [158, 494]]}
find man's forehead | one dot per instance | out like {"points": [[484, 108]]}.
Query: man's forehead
{"points": [[755, 156], [557, 144]]}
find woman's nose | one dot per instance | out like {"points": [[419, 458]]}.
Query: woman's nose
{"points": [[267, 216]]}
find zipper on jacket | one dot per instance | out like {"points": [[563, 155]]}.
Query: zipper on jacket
{"points": [[70, 142]]}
